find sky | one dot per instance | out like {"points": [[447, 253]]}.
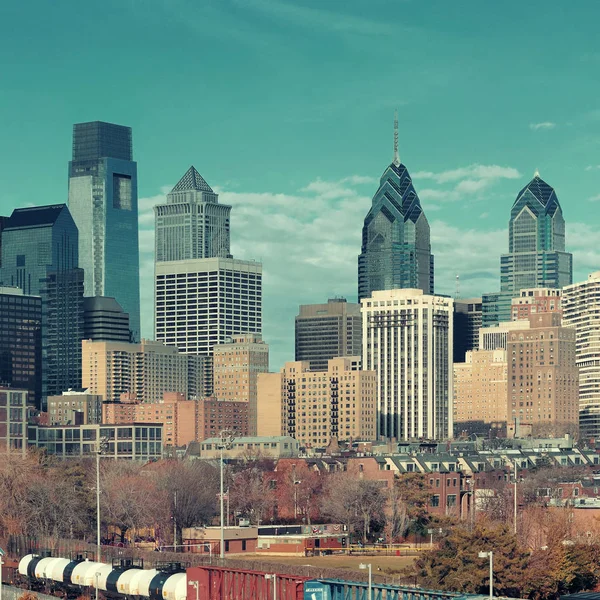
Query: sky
{"points": [[286, 109]]}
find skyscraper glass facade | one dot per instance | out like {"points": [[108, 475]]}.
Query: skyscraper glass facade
{"points": [[103, 200], [396, 249], [192, 224], [536, 255], [40, 256]]}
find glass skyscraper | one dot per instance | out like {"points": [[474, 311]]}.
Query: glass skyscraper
{"points": [[536, 255], [40, 256], [396, 249], [104, 204], [192, 224]]}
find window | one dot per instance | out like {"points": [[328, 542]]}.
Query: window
{"points": [[435, 501]]}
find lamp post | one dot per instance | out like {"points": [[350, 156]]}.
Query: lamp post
{"points": [[370, 588], [490, 555], [100, 448], [1, 563], [515, 494], [195, 585], [296, 484], [226, 443], [274, 578]]}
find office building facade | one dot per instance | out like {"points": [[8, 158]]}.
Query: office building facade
{"points": [[15, 410], [407, 340], [104, 320], [204, 302], [40, 256], [21, 342], [326, 331], [75, 407], [543, 382], [396, 248], [316, 407], [536, 255], [581, 311], [467, 323], [103, 200], [192, 223], [236, 366]]}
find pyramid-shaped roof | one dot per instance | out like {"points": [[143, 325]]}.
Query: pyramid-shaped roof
{"points": [[34, 216], [192, 181], [540, 189]]}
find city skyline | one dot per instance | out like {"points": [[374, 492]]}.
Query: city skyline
{"points": [[303, 157]]}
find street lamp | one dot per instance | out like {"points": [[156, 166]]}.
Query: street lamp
{"points": [[515, 494], [431, 532], [490, 555], [226, 443], [274, 578], [368, 566], [195, 585], [101, 446], [296, 484], [1, 563]]}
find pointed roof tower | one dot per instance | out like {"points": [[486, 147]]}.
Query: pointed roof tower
{"points": [[192, 181], [541, 191]]}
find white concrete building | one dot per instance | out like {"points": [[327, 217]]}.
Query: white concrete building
{"points": [[581, 310], [407, 340]]}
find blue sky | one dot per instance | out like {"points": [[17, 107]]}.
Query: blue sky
{"points": [[287, 107]]}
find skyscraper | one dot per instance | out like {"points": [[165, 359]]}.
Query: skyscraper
{"points": [[104, 204], [467, 323], [192, 224], [326, 331], [104, 320], [40, 256], [581, 310], [407, 340], [536, 250], [396, 249]]}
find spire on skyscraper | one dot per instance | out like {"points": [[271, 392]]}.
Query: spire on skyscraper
{"points": [[396, 160], [192, 181]]}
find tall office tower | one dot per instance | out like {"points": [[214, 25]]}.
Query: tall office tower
{"points": [[407, 340], [104, 320], [204, 302], [533, 301], [467, 323], [581, 311], [480, 393], [395, 250], [104, 204], [236, 365], [317, 406], [143, 371], [3, 221], [192, 224], [536, 250], [40, 256], [543, 386], [21, 342], [325, 331]]}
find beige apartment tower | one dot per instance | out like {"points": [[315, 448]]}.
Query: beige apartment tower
{"points": [[315, 407], [236, 366], [480, 392], [543, 381], [143, 371]]}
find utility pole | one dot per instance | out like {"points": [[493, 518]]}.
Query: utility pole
{"points": [[515, 494], [175, 522], [226, 443], [101, 446]]}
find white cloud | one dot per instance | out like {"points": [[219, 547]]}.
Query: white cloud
{"points": [[592, 168], [542, 125], [595, 198]]}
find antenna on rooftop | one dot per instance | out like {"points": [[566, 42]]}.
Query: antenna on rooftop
{"points": [[457, 287]]}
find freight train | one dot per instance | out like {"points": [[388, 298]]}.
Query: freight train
{"points": [[124, 578]]}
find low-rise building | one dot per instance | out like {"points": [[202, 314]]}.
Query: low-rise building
{"points": [[274, 447], [14, 416], [75, 407]]}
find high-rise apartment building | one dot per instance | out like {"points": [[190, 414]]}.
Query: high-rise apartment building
{"points": [[407, 340], [144, 371], [204, 302], [533, 301], [326, 331], [480, 394], [236, 365], [581, 311], [21, 342], [536, 255], [40, 256], [104, 320], [103, 200], [396, 249], [192, 224], [467, 323], [315, 407], [543, 383]]}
